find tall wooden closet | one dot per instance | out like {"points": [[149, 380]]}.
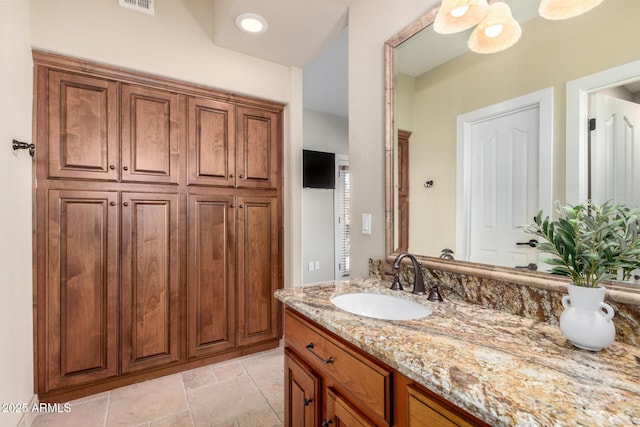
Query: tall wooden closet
{"points": [[157, 226]]}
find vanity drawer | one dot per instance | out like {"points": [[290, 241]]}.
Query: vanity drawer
{"points": [[345, 368]]}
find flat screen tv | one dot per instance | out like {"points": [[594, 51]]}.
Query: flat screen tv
{"points": [[318, 169]]}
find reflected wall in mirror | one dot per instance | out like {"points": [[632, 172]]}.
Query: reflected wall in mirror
{"points": [[438, 91]]}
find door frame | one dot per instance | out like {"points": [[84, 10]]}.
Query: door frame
{"points": [[341, 159], [543, 100], [577, 147]]}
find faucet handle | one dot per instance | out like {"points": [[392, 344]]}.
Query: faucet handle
{"points": [[434, 294], [396, 286]]}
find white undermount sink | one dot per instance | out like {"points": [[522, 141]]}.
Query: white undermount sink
{"points": [[380, 306]]}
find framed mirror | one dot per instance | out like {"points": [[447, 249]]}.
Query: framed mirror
{"points": [[438, 92]]}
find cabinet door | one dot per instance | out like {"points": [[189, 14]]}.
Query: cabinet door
{"points": [[340, 413], [211, 142], [427, 411], [83, 127], [150, 144], [211, 281], [149, 280], [81, 289], [301, 393], [258, 149], [258, 268]]}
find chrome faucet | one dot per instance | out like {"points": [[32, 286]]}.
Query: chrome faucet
{"points": [[418, 285]]}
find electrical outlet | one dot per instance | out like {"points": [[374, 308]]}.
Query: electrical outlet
{"points": [[311, 266], [317, 265]]}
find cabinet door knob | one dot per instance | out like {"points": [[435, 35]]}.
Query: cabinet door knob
{"points": [[112, 167], [241, 176], [126, 203], [230, 175], [112, 203], [125, 168], [306, 402], [233, 205], [327, 423], [241, 206]]}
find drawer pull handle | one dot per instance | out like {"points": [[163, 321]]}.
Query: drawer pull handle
{"points": [[306, 402], [326, 362]]}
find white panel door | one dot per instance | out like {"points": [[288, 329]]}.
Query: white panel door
{"points": [[615, 150], [504, 187]]}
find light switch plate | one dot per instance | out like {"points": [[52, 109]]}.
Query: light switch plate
{"points": [[366, 223]]}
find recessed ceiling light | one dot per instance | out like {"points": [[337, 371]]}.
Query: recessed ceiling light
{"points": [[251, 23]]}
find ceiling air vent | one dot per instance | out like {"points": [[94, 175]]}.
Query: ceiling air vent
{"points": [[145, 6]]}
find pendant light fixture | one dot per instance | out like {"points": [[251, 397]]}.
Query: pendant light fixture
{"points": [[565, 9], [458, 15], [496, 32]]}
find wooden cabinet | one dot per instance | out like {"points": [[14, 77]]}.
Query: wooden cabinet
{"points": [[232, 251], [150, 268], [212, 150], [81, 282], [302, 392], [82, 120], [357, 387], [341, 413], [85, 130], [258, 229], [158, 224], [425, 409], [257, 152], [356, 390], [211, 274], [150, 146], [232, 146]]}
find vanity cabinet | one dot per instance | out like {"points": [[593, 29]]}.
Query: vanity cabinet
{"points": [[425, 409], [302, 392], [158, 226], [355, 389], [351, 381]]}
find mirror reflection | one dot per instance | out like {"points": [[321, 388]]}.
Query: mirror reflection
{"points": [[480, 141]]}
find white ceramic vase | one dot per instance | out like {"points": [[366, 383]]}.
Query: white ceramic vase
{"points": [[586, 319]]}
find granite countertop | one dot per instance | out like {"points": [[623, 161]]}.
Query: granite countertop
{"points": [[503, 368]]}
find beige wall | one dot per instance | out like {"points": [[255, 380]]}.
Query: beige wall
{"points": [[548, 55], [170, 44], [16, 330], [371, 23]]}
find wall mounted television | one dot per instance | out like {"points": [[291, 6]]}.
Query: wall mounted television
{"points": [[318, 169]]}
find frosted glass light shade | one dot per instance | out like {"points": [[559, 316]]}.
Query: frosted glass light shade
{"points": [[458, 15], [496, 32], [565, 9]]}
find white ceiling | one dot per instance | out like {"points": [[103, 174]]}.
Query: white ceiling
{"points": [[310, 34], [298, 29]]}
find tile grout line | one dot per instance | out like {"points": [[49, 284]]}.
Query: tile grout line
{"points": [[262, 394], [186, 398], [106, 412]]}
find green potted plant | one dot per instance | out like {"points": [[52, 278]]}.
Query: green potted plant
{"points": [[590, 244]]}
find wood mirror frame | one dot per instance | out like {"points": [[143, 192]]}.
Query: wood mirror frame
{"points": [[618, 291]]}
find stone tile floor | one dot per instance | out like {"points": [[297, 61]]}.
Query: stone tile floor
{"points": [[243, 392]]}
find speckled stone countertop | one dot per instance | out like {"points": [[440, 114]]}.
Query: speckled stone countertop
{"points": [[505, 369]]}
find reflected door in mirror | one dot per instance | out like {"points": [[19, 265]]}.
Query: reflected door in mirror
{"points": [[403, 190]]}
